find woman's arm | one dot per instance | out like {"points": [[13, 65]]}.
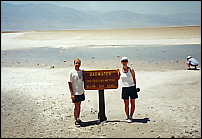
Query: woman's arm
{"points": [[133, 75]]}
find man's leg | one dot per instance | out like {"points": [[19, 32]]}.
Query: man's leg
{"points": [[188, 65], [77, 110]]}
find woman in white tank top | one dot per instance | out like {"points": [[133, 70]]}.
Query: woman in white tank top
{"points": [[128, 83], [126, 77]]}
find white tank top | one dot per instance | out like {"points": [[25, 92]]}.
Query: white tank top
{"points": [[127, 79]]}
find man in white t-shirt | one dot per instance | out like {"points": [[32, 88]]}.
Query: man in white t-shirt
{"points": [[76, 87], [192, 62]]}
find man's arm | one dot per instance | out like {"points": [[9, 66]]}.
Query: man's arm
{"points": [[71, 91], [119, 73]]}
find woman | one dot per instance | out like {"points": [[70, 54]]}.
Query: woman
{"points": [[128, 83]]}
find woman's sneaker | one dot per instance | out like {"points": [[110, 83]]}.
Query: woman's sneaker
{"points": [[128, 120], [131, 119]]}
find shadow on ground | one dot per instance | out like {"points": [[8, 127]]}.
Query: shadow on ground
{"points": [[97, 122]]}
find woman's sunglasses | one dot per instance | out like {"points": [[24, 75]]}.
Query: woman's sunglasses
{"points": [[124, 61]]}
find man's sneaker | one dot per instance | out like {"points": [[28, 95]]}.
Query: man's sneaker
{"points": [[78, 122]]}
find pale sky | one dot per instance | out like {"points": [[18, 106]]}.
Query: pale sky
{"points": [[144, 7]]}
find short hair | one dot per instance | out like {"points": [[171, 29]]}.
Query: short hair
{"points": [[76, 59]]}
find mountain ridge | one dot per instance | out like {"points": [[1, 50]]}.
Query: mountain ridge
{"points": [[35, 17]]}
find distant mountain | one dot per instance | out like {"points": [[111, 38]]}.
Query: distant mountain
{"points": [[51, 17], [187, 18]]}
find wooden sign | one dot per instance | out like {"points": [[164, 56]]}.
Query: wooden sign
{"points": [[100, 79]]}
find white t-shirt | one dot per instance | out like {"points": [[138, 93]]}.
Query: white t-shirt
{"points": [[193, 62], [76, 78]]}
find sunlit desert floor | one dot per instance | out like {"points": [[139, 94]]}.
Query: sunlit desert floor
{"points": [[35, 99]]}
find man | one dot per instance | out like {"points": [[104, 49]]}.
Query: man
{"points": [[191, 62], [129, 91], [76, 87]]}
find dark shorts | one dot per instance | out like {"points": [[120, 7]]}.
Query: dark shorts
{"points": [[129, 92], [79, 98]]}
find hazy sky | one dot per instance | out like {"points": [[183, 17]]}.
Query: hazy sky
{"points": [[145, 7]]}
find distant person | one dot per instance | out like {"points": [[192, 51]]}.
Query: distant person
{"points": [[76, 87], [129, 91], [191, 62]]}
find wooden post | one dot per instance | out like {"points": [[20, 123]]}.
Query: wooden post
{"points": [[101, 114]]}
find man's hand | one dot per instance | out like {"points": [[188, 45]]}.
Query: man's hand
{"points": [[72, 97], [118, 70]]}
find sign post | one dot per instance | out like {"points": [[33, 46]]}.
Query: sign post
{"points": [[100, 80], [101, 114]]}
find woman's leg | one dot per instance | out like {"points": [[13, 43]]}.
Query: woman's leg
{"points": [[126, 102], [132, 101]]}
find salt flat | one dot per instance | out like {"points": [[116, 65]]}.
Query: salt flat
{"points": [[77, 38]]}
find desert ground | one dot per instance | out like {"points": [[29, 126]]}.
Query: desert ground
{"points": [[35, 99]]}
